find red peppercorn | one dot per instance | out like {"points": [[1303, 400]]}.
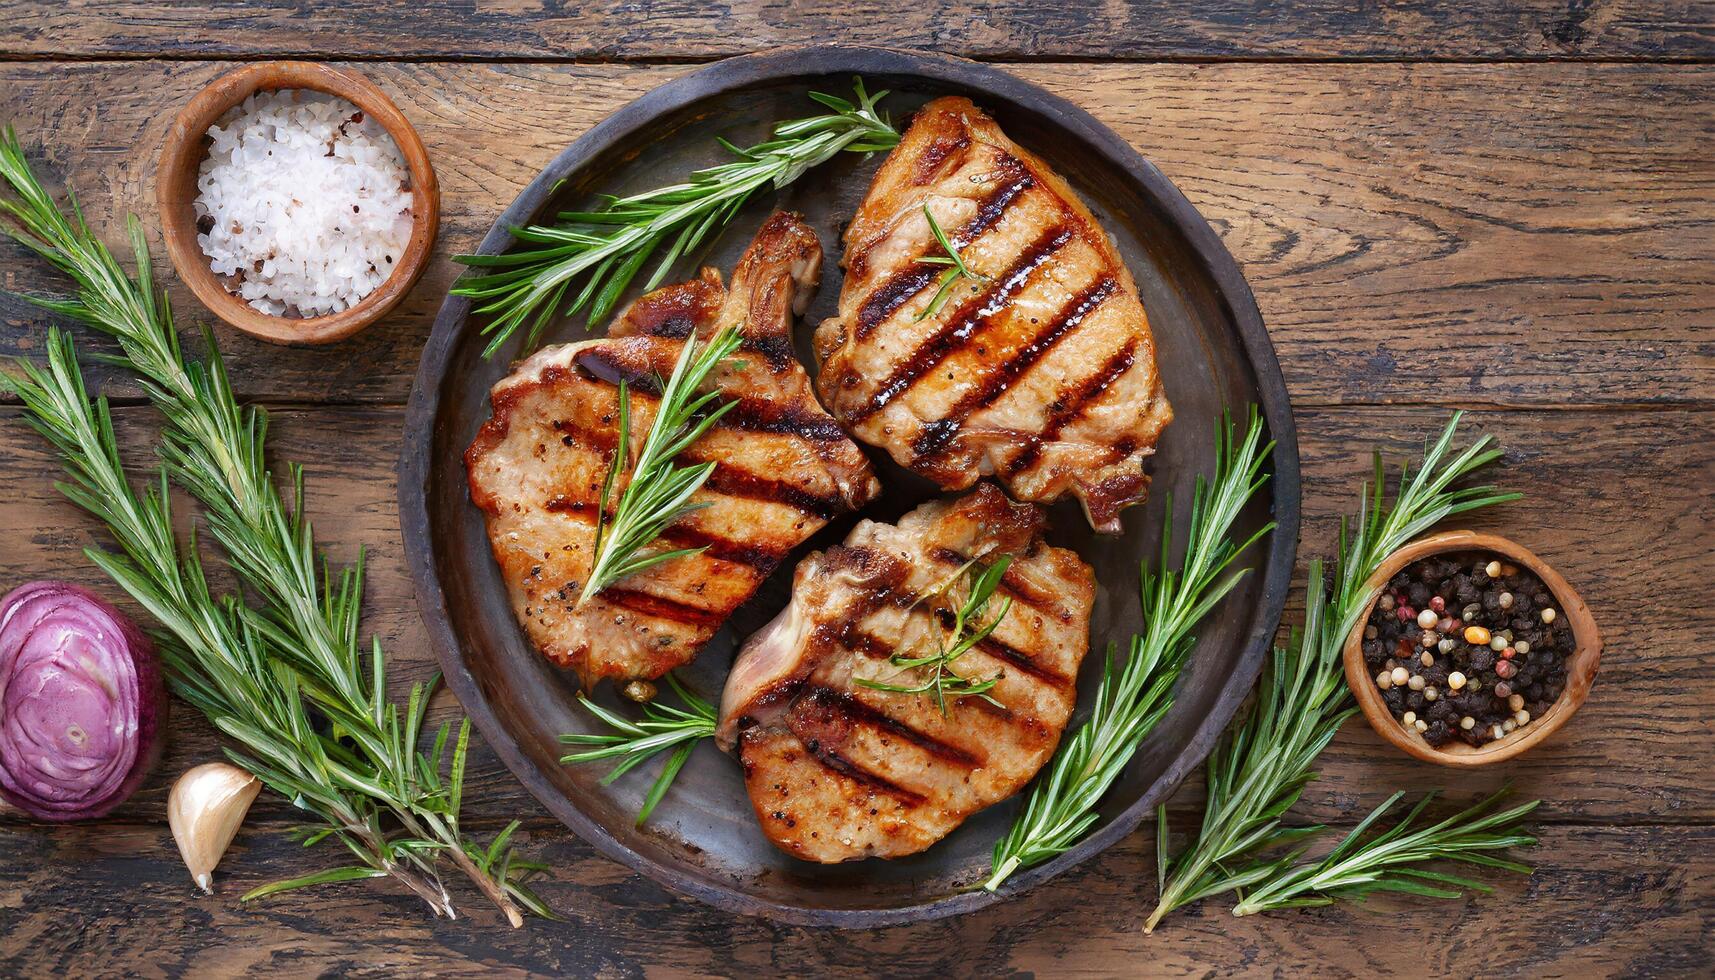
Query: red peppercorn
{"points": [[1438, 604], [1509, 653], [1505, 668], [1457, 625], [1405, 613], [1503, 690]]}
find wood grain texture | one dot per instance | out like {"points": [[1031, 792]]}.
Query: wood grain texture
{"points": [[1511, 235], [1640, 746], [1536, 238], [115, 900], [1119, 29]]}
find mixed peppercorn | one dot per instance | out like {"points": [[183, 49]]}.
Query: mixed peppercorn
{"points": [[1467, 646]]}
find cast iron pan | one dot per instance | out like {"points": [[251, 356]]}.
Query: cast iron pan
{"points": [[703, 840]]}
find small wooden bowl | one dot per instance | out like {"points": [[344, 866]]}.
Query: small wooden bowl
{"points": [[175, 189], [1580, 667]]}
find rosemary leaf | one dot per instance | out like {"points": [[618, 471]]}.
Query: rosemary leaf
{"points": [[950, 279], [265, 675], [635, 742], [660, 490], [940, 680], [1262, 764], [608, 246], [1389, 861], [331, 876], [1134, 696]]}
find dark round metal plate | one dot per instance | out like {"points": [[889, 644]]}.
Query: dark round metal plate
{"points": [[703, 841]]}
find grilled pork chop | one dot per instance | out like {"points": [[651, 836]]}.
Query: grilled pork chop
{"points": [[839, 771], [783, 467], [1043, 375]]}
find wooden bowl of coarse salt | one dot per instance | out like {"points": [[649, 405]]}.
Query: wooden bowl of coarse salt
{"points": [[254, 186]]}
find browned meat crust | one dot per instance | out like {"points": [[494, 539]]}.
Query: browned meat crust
{"points": [[838, 771], [1043, 376], [783, 467]]}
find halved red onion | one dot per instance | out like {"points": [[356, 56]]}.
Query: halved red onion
{"points": [[82, 707]]}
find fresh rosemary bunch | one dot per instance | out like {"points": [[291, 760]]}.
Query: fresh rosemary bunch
{"points": [[607, 247], [1261, 766], [1135, 696], [956, 272], [286, 679], [1389, 861], [942, 681], [636, 742], [659, 490]]}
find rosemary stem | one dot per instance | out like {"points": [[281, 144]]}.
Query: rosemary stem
{"points": [[1263, 762], [1134, 696], [606, 247], [1002, 872], [250, 670]]}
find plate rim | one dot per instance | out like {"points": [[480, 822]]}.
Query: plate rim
{"points": [[424, 406]]}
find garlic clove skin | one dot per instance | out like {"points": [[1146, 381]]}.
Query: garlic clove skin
{"points": [[204, 810]]}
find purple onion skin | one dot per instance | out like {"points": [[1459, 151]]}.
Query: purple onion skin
{"points": [[82, 704]]}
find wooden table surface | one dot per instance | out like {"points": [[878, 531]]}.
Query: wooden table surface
{"points": [[1507, 207]]}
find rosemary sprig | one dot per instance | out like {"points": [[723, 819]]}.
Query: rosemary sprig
{"points": [[957, 270], [1390, 861], [256, 672], [659, 491], [636, 742], [608, 246], [1135, 696], [1261, 766], [940, 680]]}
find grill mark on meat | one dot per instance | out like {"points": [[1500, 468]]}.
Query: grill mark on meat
{"points": [[658, 607], [738, 483], [1012, 656], [1018, 179], [840, 765], [1016, 585], [676, 326], [928, 166], [956, 332], [875, 648], [763, 559], [747, 414], [824, 699], [914, 277], [866, 643], [773, 347], [861, 641], [937, 435], [726, 479], [674, 311], [1071, 406], [892, 294]]}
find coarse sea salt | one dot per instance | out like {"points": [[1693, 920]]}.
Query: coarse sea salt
{"points": [[304, 203]]}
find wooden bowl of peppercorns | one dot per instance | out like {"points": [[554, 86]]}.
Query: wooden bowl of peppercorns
{"points": [[1472, 650]]}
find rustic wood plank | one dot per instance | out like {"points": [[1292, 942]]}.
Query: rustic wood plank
{"points": [[1605, 489], [115, 900], [1129, 29], [1512, 235]]}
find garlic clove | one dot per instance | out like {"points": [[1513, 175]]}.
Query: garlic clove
{"points": [[205, 809]]}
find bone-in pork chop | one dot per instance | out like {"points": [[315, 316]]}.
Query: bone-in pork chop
{"points": [[1042, 373], [838, 770], [783, 466]]}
